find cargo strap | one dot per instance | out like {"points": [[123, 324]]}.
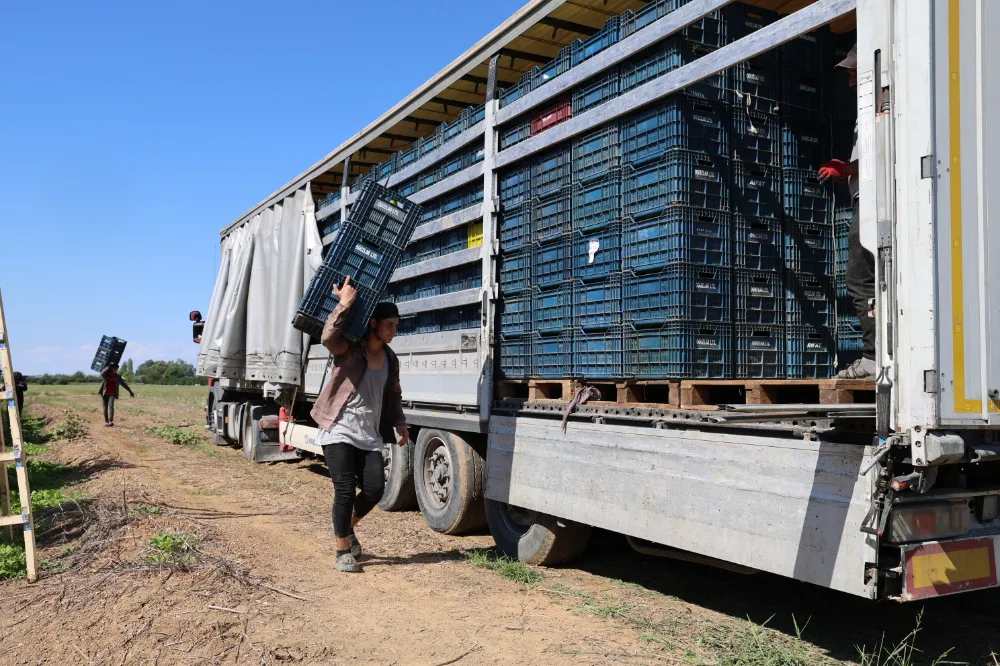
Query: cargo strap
{"points": [[17, 456]]}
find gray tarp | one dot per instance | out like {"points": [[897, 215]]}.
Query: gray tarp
{"points": [[266, 266]]}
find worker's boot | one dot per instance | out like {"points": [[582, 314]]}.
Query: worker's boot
{"points": [[863, 368], [356, 550], [347, 563]]}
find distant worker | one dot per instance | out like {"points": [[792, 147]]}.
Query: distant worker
{"points": [[357, 411], [20, 386], [110, 385], [860, 262]]}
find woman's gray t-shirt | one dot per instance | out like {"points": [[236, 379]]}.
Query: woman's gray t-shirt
{"points": [[358, 425]]}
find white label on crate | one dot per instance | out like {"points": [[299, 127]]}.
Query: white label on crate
{"points": [[706, 342], [815, 346], [706, 286], [757, 183], [810, 139], [759, 291], [809, 89], [760, 344], [368, 252], [705, 174], [705, 119], [391, 211], [592, 248]]}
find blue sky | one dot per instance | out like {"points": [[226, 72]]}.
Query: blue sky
{"points": [[132, 132]]}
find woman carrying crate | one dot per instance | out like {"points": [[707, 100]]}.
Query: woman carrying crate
{"points": [[359, 408]]}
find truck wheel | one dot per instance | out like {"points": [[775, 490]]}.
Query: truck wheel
{"points": [[248, 435], [535, 538], [397, 462], [448, 476]]}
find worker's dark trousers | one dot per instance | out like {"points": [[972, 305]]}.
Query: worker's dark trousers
{"points": [[109, 408], [350, 467], [19, 394], [861, 282]]}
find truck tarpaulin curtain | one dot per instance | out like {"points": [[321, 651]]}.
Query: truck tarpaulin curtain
{"points": [[266, 267]]}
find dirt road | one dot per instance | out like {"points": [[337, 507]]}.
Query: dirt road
{"points": [[247, 576]]}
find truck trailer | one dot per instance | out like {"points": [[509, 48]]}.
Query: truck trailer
{"points": [[885, 490]]}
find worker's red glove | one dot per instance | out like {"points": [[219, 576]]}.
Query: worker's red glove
{"points": [[838, 170]]}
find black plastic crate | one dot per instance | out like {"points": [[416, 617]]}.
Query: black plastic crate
{"points": [[756, 190], [757, 243], [383, 215], [842, 140], [810, 52], [841, 230], [805, 140], [515, 315], [810, 300], [806, 198], [552, 218], [756, 137], [804, 89], [582, 50], [681, 178], [514, 226], [809, 248], [680, 292], [552, 310], [850, 340], [599, 354], [516, 353], [682, 122], [670, 54], [515, 270], [760, 351], [598, 305], [553, 355], [760, 297], [514, 134], [597, 253], [598, 203], [596, 154], [553, 263], [810, 352], [681, 235], [743, 19], [319, 302], [680, 350], [756, 84], [109, 351], [551, 173], [597, 91], [515, 187]]}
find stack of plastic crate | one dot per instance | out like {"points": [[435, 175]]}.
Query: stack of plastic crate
{"points": [[850, 341], [677, 240], [516, 258], [597, 254]]}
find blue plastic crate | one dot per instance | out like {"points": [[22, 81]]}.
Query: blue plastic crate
{"points": [[555, 67], [597, 153], [451, 165], [597, 253], [553, 263], [841, 230], [632, 22], [515, 271], [386, 168], [760, 351], [756, 190], [407, 187], [516, 354], [680, 292], [670, 54], [681, 235], [806, 198], [850, 336], [462, 279], [760, 297], [810, 300], [598, 305], [515, 187], [756, 84], [552, 218], [477, 114], [596, 92], [329, 200], [515, 315], [515, 92], [551, 173], [427, 178], [432, 211], [804, 89], [552, 310], [584, 50], [109, 351], [680, 178], [598, 203], [427, 322], [599, 354], [553, 355], [681, 350], [682, 122], [514, 227], [805, 140], [810, 352], [810, 52], [428, 287], [757, 243], [331, 225], [462, 319], [743, 19], [756, 137], [514, 134], [809, 248]]}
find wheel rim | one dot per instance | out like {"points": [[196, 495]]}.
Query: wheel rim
{"points": [[386, 461], [437, 473], [517, 520]]}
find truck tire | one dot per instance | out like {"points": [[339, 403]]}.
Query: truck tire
{"points": [[448, 476], [397, 462], [535, 538], [248, 432]]}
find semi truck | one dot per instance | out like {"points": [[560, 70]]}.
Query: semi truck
{"points": [[895, 494]]}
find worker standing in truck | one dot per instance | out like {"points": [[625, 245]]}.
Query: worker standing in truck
{"points": [[358, 409], [860, 262]]}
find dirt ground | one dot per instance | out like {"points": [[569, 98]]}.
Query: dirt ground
{"points": [[257, 585]]}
